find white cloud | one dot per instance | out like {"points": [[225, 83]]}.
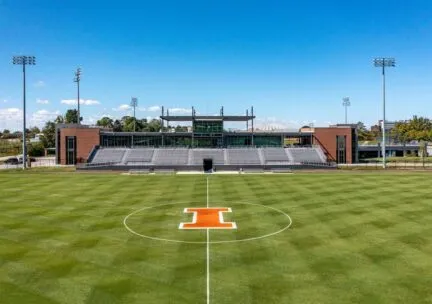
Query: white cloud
{"points": [[154, 108], [9, 111], [39, 118], [90, 120], [85, 102], [273, 123], [180, 111], [11, 118], [106, 115], [122, 107], [39, 84], [5, 101], [42, 101]]}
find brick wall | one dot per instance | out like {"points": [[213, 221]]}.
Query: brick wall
{"points": [[86, 139], [326, 138]]}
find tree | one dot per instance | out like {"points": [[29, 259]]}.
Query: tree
{"points": [[129, 124], [34, 131], [71, 116], [7, 134], [48, 138], [59, 119], [415, 129], [154, 125], [105, 122], [117, 126], [181, 128], [363, 133], [36, 149]]}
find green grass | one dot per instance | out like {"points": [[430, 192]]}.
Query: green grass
{"points": [[355, 238]]}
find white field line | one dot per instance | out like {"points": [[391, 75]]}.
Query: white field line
{"points": [[208, 266], [125, 220], [208, 250], [207, 192]]}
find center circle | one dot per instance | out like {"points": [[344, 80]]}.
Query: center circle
{"points": [[287, 221]]}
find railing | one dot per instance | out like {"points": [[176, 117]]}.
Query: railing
{"points": [[102, 164], [388, 145], [317, 164], [397, 164]]}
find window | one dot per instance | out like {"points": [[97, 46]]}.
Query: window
{"points": [[341, 149], [70, 150], [207, 127]]}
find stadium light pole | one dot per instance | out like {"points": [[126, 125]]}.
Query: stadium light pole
{"points": [[134, 104], [383, 63], [24, 60], [77, 79], [346, 103]]}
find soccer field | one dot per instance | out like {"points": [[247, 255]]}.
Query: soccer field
{"points": [[299, 238]]}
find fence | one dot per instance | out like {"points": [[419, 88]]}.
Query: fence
{"points": [[39, 162], [399, 164]]}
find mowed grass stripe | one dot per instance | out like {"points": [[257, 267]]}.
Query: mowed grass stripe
{"points": [[356, 238]]}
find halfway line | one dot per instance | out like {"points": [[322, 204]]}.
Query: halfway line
{"points": [[208, 251], [208, 266], [207, 192]]}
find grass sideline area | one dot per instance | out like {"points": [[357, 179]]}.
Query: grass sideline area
{"points": [[355, 238]]}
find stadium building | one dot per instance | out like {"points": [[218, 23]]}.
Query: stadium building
{"points": [[207, 144]]}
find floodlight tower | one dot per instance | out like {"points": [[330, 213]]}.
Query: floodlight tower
{"points": [[383, 63], [24, 60], [346, 103], [134, 104], [77, 79]]}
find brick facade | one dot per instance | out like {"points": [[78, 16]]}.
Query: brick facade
{"points": [[86, 139], [326, 138]]}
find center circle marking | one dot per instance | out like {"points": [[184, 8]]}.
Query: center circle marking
{"points": [[205, 242]]}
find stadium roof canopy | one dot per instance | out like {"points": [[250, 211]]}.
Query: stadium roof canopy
{"points": [[210, 118]]}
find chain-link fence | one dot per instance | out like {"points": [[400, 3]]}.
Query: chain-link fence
{"points": [[37, 162]]}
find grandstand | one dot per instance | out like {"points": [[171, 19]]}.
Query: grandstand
{"points": [[220, 159], [207, 145]]}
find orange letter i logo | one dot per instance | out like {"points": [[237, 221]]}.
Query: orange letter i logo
{"points": [[208, 218]]}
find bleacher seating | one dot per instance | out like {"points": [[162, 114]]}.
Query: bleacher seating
{"points": [[275, 156], [243, 156], [199, 154], [139, 156], [165, 157], [171, 156], [306, 155], [109, 155]]}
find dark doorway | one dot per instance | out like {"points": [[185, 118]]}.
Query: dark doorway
{"points": [[341, 149], [70, 150], [207, 164]]}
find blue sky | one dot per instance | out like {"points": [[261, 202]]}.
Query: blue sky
{"points": [[293, 61]]}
